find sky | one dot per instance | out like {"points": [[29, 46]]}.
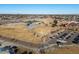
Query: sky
{"points": [[39, 8]]}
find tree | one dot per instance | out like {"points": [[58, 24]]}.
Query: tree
{"points": [[54, 23]]}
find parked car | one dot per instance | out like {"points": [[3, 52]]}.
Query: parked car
{"points": [[76, 40]]}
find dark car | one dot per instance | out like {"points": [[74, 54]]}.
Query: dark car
{"points": [[76, 40]]}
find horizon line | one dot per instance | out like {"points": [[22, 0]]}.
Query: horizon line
{"points": [[33, 14]]}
